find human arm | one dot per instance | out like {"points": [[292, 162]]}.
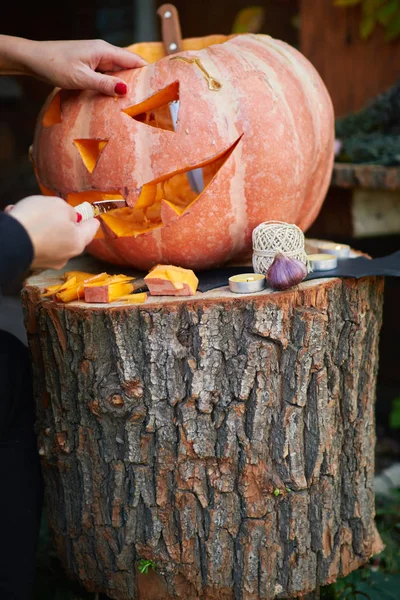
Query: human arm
{"points": [[16, 249], [40, 232], [68, 64]]}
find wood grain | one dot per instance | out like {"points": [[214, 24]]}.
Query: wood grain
{"points": [[353, 70], [229, 439]]}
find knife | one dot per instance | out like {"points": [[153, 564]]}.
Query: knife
{"points": [[172, 38], [86, 210]]}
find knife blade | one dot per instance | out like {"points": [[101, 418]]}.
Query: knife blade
{"points": [[172, 39], [86, 210]]}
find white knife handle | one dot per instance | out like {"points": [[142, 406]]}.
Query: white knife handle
{"points": [[84, 212]]}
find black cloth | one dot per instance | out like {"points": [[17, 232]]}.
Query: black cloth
{"points": [[388, 266], [16, 249], [20, 476]]}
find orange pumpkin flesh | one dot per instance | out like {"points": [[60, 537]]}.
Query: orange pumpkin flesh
{"points": [[253, 114], [168, 280], [79, 285]]}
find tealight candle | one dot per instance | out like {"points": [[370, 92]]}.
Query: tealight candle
{"points": [[339, 250], [322, 262], [246, 283]]}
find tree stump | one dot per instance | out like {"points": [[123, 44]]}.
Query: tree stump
{"points": [[229, 439]]}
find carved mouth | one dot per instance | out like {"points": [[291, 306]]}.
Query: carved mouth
{"points": [[161, 202]]}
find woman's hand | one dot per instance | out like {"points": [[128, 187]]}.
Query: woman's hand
{"points": [[51, 224], [80, 64]]}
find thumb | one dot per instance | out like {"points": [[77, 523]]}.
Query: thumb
{"points": [[106, 84], [87, 230]]}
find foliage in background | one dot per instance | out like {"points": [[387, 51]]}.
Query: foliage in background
{"points": [[394, 417], [249, 20], [380, 579], [384, 13], [372, 135]]}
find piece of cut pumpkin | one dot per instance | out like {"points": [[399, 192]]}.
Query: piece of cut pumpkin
{"points": [[80, 275], [108, 290], [169, 280], [73, 286], [133, 298]]}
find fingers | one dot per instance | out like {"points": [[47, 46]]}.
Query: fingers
{"points": [[106, 84], [88, 230], [125, 59], [9, 208]]}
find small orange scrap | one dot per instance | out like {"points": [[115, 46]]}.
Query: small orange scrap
{"points": [[101, 288], [169, 280]]}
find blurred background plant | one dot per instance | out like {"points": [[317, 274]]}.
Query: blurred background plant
{"points": [[384, 13], [380, 579], [249, 20]]}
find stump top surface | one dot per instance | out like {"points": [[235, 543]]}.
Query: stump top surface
{"points": [[42, 279]]}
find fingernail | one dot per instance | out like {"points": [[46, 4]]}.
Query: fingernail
{"points": [[121, 88], [78, 217]]}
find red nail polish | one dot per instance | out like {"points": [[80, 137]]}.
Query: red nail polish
{"points": [[78, 217], [120, 88]]}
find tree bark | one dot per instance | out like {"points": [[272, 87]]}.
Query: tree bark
{"points": [[230, 439]]}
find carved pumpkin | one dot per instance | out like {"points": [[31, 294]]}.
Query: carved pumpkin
{"points": [[254, 116]]}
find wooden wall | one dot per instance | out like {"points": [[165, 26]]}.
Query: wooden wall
{"points": [[217, 16], [354, 70]]}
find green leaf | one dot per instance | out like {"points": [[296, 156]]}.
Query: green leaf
{"points": [[346, 2], [367, 27], [386, 12], [381, 586], [144, 566], [394, 417], [393, 29], [369, 8], [249, 20]]}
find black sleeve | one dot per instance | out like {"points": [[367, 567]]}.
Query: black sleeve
{"points": [[16, 249]]}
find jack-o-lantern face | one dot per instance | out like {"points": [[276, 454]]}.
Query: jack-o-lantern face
{"points": [[207, 144]]}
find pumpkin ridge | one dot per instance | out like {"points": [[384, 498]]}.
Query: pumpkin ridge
{"points": [[270, 95]]}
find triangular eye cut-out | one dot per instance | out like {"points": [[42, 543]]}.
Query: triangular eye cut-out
{"points": [[90, 151], [52, 116], [160, 110]]}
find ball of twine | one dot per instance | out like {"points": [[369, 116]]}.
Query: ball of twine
{"points": [[276, 237]]}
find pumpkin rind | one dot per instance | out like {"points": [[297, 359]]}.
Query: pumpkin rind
{"points": [[272, 104]]}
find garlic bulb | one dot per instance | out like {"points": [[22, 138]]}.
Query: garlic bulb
{"points": [[285, 272]]}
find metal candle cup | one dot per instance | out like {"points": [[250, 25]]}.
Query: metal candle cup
{"points": [[322, 262], [339, 250], [246, 283]]}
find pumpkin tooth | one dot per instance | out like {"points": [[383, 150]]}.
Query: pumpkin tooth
{"points": [[169, 212]]}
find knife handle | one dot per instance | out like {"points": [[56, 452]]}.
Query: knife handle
{"points": [[84, 212], [170, 28]]}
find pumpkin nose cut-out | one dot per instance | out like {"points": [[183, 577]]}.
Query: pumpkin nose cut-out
{"points": [[90, 151]]}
